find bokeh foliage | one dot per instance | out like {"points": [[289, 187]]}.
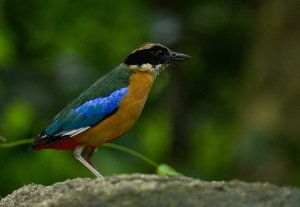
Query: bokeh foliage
{"points": [[232, 112]]}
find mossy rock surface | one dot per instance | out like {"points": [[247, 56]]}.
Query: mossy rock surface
{"points": [[139, 190]]}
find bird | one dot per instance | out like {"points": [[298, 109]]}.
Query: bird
{"points": [[109, 107]]}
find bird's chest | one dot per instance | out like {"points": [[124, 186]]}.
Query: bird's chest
{"points": [[128, 111], [139, 87], [133, 103]]}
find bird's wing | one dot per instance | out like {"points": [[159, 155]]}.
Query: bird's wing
{"points": [[91, 107], [85, 115]]}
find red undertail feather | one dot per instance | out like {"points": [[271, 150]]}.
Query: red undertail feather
{"points": [[64, 144]]}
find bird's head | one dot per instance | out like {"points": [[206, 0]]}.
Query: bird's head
{"points": [[152, 57]]}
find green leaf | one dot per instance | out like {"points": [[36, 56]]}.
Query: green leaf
{"points": [[164, 169]]}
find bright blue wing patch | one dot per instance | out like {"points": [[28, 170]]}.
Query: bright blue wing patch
{"points": [[88, 114]]}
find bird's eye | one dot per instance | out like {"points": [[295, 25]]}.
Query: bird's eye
{"points": [[159, 53]]}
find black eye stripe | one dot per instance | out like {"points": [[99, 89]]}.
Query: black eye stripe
{"points": [[154, 56]]}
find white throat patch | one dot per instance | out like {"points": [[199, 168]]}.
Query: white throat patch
{"points": [[154, 69]]}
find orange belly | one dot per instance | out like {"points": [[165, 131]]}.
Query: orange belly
{"points": [[130, 108]]}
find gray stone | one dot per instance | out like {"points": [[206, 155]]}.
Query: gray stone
{"points": [[152, 190]]}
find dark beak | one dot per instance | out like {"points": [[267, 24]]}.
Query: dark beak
{"points": [[176, 57]]}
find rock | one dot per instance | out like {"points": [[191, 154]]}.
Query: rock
{"points": [[152, 190]]}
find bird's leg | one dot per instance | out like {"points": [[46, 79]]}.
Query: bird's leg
{"points": [[87, 159], [87, 155]]}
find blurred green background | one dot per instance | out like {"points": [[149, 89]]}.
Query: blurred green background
{"points": [[232, 112]]}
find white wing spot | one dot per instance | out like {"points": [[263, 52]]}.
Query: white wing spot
{"points": [[74, 132]]}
